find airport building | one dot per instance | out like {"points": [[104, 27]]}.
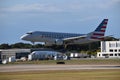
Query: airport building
{"points": [[109, 49], [18, 53]]}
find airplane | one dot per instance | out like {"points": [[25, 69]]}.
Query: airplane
{"points": [[57, 38]]}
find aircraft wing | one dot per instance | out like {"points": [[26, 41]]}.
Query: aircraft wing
{"points": [[75, 38], [106, 37]]}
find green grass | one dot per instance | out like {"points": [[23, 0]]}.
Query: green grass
{"points": [[75, 62], [62, 75]]}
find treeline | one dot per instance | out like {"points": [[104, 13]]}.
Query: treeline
{"points": [[21, 45], [95, 46]]}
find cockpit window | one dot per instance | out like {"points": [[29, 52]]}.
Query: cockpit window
{"points": [[29, 33]]}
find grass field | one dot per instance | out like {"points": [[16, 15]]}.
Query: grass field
{"points": [[63, 75]]}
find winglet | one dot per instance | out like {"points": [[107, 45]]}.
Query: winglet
{"points": [[100, 30]]}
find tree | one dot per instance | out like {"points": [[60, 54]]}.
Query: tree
{"points": [[38, 46], [21, 45], [5, 46]]}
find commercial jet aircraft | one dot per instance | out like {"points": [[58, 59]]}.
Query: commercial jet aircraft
{"points": [[58, 38]]}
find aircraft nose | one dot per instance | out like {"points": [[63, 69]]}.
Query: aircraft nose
{"points": [[23, 37]]}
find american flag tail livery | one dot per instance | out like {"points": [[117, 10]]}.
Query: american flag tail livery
{"points": [[99, 32]]}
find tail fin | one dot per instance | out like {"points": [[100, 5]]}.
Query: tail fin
{"points": [[99, 32]]}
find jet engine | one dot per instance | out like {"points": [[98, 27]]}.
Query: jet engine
{"points": [[59, 42]]}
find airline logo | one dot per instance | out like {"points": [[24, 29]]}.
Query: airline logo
{"points": [[100, 30]]}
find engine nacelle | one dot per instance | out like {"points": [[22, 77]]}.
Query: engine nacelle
{"points": [[48, 44], [59, 42], [56, 42]]}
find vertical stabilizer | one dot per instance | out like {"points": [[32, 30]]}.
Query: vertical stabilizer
{"points": [[99, 32]]}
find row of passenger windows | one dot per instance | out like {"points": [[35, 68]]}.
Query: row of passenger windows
{"points": [[59, 35]]}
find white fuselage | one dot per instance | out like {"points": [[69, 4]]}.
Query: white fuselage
{"points": [[52, 37]]}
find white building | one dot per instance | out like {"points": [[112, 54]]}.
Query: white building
{"points": [[47, 55], [109, 49]]}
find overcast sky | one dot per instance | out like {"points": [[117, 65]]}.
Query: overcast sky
{"points": [[74, 16]]}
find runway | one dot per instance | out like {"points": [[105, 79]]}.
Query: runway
{"points": [[35, 67]]}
